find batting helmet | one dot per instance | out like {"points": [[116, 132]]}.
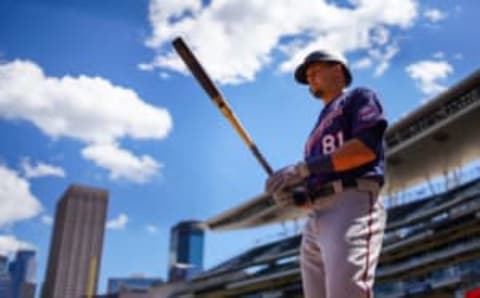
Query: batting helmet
{"points": [[322, 56]]}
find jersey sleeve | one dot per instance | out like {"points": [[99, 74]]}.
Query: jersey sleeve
{"points": [[366, 112]]}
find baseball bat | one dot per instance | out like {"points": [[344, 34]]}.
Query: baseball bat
{"points": [[207, 84]]}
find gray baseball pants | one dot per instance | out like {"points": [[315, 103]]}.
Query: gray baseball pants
{"points": [[341, 243]]}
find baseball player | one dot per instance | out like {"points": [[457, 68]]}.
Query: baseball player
{"points": [[338, 182]]}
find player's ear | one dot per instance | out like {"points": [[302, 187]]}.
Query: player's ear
{"points": [[338, 69]]}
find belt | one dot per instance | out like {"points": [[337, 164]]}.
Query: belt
{"points": [[337, 186], [331, 188]]}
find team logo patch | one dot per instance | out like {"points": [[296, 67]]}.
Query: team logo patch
{"points": [[368, 113]]}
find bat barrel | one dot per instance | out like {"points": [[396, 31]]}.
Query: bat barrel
{"points": [[195, 67]]}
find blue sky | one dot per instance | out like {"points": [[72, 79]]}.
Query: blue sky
{"points": [[92, 93]]}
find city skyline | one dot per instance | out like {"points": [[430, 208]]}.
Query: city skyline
{"points": [[91, 92]]}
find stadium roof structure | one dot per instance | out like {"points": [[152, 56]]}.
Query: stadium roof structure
{"points": [[437, 138]]}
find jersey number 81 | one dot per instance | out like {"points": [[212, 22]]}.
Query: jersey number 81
{"points": [[330, 142]]}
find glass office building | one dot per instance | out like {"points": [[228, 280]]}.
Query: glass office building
{"points": [[5, 283], [3, 264], [22, 274], [186, 250]]}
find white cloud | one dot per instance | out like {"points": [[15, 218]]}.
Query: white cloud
{"points": [[40, 169], [46, 219], [145, 67], [89, 109], [118, 223], [362, 63], [16, 200], [122, 163], [439, 55], [152, 229], [383, 57], [235, 39], [164, 75], [428, 73], [380, 35], [434, 15], [10, 244]]}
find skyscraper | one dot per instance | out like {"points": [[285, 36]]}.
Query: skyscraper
{"points": [[22, 274], [3, 263], [5, 281], [76, 244], [186, 250]]}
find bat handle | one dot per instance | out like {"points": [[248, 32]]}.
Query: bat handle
{"points": [[262, 160]]}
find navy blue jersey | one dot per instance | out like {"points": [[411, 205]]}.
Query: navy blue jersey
{"points": [[353, 113]]}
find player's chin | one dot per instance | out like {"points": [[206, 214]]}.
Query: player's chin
{"points": [[316, 92]]}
